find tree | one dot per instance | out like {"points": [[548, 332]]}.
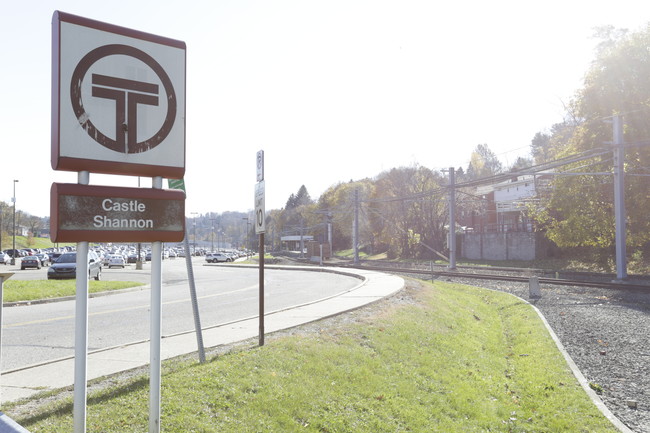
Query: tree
{"points": [[483, 163], [409, 211], [338, 200], [616, 83], [540, 148], [521, 163], [299, 199], [35, 224]]}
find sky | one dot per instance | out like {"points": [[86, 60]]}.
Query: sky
{"points": [[332, 91]]}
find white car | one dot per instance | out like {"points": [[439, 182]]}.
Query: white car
{"points": [[116, 260], [217, 257]]}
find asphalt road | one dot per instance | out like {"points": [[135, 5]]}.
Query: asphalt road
{"points": [[38, 333]]}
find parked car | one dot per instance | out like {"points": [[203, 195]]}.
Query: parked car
{"points": [[30, 262], [14, 253], [4, 258], [217, 258], [116, 260], [132, 258], [65, 267], [44, 258], [55, 255]]}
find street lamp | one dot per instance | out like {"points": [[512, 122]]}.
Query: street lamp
{"points": [[13, 254], [213, 220]]}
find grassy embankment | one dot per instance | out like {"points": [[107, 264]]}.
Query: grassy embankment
{"points": [[453, 360]]}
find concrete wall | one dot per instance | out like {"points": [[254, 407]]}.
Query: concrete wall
{"points": [[499, 246]]}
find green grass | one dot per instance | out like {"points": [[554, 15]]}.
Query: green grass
{"points": [[25, 242], [31, 290], [457, 360], [349, 254]]}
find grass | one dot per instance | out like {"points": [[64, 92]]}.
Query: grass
{"points": [[26, 242], [457, 359], [31, 290]]}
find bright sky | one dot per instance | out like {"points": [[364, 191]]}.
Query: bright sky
{"points": [[331, 90]]}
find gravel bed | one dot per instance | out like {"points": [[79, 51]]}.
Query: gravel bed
{"points": [[607, 334]]}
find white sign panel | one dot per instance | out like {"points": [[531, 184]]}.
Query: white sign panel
{"points": [[260, 166], [118, 100], [260, 211]]}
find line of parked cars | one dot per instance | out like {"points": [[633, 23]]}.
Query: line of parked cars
{"points": [[62, 262], [29, 257], [223, 256]]}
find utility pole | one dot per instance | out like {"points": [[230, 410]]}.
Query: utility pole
{"points": [[619, 198], [452, 218], [329, 231], [302, 241], [13, 254]]}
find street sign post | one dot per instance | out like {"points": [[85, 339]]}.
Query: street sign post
{"points": [[260, 211], [118, 107], [260, 228], [180, 184]]}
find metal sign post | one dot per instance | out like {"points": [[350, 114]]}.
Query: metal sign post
{"points": [[81, 329], [260, 228], [180, 184], [4, 276], [155, 337]]}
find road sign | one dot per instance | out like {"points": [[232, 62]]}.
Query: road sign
{"points": [[260, 211], [116, 214], [260, 166], [118, 99], [176, 184]]}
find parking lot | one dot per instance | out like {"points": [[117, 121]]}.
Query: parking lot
{"points": [[128, 273]]}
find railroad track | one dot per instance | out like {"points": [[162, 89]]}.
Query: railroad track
{"points": [[503, 274], [513, 278]]}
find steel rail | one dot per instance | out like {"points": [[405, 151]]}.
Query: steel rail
{"points": [[513, 278]]}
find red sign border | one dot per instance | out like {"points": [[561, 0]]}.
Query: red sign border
{"points": [[95, 165], [59, 189]]}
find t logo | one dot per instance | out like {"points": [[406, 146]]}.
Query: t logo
{"points": [[127, 94], [127, 97]]}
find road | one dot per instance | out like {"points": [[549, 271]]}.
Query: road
{"points": [[38, 333]]}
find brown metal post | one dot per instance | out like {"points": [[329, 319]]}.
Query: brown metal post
{"points": [[261, 295]]}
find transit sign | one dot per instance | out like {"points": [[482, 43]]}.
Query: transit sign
{"points": [[260, 211], [260, 166], [118, 99], [116, 214]]}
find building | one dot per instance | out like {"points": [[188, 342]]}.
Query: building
{"points": [[497, 225]]}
